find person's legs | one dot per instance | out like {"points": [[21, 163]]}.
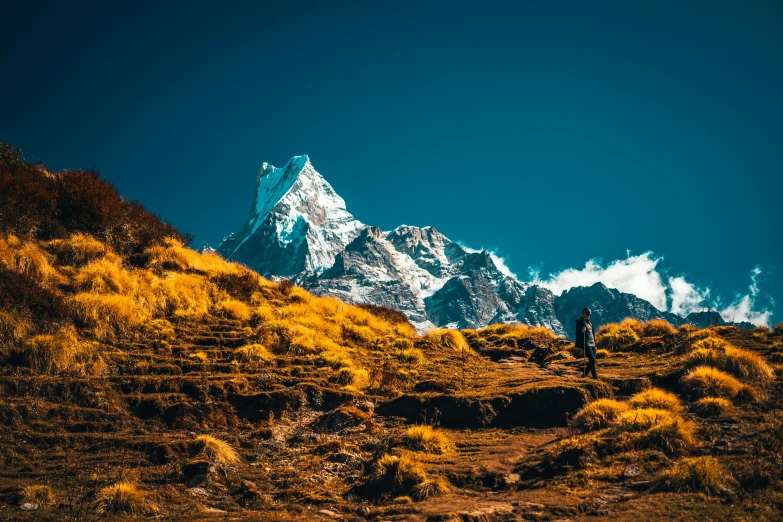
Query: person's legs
{"points": [[590, 367]]}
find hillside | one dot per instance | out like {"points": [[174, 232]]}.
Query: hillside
{"points": [[140, 377]]}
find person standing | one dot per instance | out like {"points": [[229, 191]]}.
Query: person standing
{"points": [[585, 339]]}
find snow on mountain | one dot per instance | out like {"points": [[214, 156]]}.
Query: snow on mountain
{"points": [[297, 222], [299, 228]]}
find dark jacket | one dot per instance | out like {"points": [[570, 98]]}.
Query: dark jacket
{"points": [[582, 337]]}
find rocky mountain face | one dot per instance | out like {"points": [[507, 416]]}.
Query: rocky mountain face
{"points": [[299, 228]]}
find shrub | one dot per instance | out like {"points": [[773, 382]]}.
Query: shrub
{"points": [[240, 285], [747, 394], [124, 498], [706, 381], [40, 494], [235, 309], [26, 258], [656, 398], [599, 414], [253, 353], [658, 327], [412, 356], [537, 334], [713, 407], [697, 474], [653, 428], [52, 353], [216, 451], [616, 337], [427, 439]]}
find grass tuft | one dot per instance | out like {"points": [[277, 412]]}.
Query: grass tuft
{"points": [[253, 353], [431, 487], [599, 414], [713, 407], [656, 398], [616, 337], [40, 494], [124, 498], [216, 450], [428, 439], [654, 428], [697, 474], [706, 381], [658, 327]]}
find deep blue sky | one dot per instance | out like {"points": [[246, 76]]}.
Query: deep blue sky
{"points": [[552, 131]]}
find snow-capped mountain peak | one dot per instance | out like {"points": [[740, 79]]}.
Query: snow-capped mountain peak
{"points": [[297, 222]]}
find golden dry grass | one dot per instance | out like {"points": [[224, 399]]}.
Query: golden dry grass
{"points": [[14, 327], [235, 309], [124, 498], [697, 474], [634, 324], [599, 414], [653, 428], [658, 327], [216, 450], [356, 378], [27, 258], [431, 487], [400, 470], [172, 253], [706, 381], [713, 407], [40, 494], [656, 398], [517, 331], [428, 439], [450, 339], [616, 337], [53, 353], [253, 353], [79, 248], [109, 314], [572, 452], [714, 351], [412, 356], [199, 356]]}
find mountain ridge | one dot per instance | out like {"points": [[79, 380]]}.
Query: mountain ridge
{"points": [[299, 228]]}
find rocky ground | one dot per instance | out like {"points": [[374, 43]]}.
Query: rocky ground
{"points": [[307, 446]]}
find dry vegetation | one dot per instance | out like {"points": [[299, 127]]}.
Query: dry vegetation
{"points": [[141, 378]]}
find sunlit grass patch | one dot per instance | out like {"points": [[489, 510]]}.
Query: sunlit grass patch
{"points": [[653, 428], [713, 407], [428, 439], [14, 327], [412, 356], [658, 327], [431, 487], [40, 494], [656, 398], [235, 309], [27, 258], [599, 414], [253, 353], [573, 452], [721, 354], [78, 249], [616, 337], [199, 356], [697, 474], [450, 339], [53, 353], [124, 498], [357, 378], [173, 254], [707, 381], [109, 314], [216, 450]]}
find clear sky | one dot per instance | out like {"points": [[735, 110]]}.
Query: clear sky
{"points": [[553, 132]]}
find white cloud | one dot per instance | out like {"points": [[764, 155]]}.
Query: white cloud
{"points": [[742, 308], [639, 275], [636, 275], [686, 297]]}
